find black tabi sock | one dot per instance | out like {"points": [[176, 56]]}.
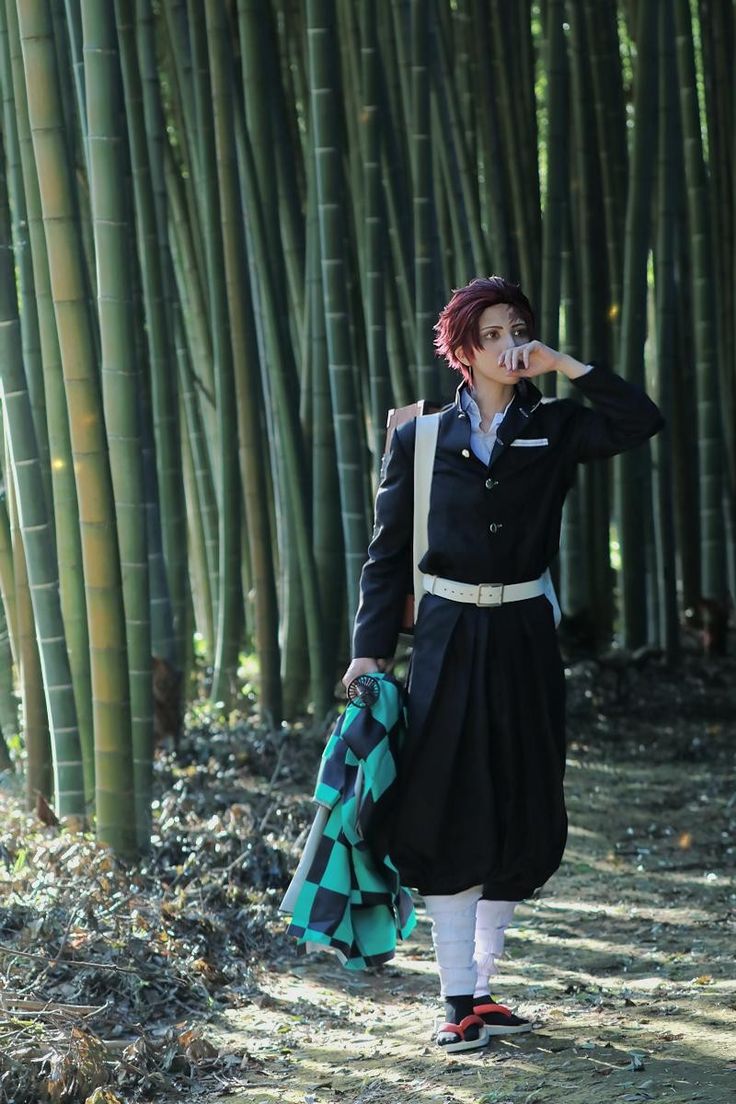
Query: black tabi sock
{"points": [[457, 1008]]}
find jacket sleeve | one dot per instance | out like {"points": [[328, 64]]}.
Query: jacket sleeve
{"points": [[623, 416], [386, 578]]}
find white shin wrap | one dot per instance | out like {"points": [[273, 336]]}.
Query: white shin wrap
{"points": [[492, 919], [453, 935]]}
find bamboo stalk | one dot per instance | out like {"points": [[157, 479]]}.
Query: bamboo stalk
{"points": [[66, 510], [632, 484], [349, 433], [666, 292], [242, 335], [710, 448], [38, 554], [109, 671], [38, 765]]}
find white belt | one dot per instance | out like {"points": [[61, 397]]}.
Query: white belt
{"points": [[483, 594]]}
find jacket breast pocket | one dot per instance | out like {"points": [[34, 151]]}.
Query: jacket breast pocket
{"points": [[530, 442]]}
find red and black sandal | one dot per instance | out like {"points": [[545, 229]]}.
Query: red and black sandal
{"points": [[459, 1030], [500, 1020]]}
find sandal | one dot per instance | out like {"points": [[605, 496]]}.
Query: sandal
{"points": [[500, 1020], [459, 1030]]}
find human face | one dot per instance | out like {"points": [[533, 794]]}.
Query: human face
{"points": [[501, 327]]}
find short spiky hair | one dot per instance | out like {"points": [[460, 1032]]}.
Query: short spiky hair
{"points": [[459, 322]]}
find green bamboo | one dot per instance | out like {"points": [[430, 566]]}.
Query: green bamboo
{"points": [[610, 111], [278, 353], [293, 72], [74, 123], [180, 78], [403, 388], [227, 594], [395, 107], [496, 202], [684, 402], [349, 433], [74, 36], [590, 252], [711, 453], [347, 62], [201, 380], [463, 71], [7, 580], [718, 34], [66, 511], [327, 538], [453, 150], [8, 699], [573, 563], [121, 380], [157, 316], [276, 154], [29, 323], [525, 151], [101, 561], [191, 446], [205, 518], [449, 213], [375, 233], [666, 292], [38, 765], [425, 284], [38, 551], [557, 183], [246, 373], [632, 468], [517, 144]]}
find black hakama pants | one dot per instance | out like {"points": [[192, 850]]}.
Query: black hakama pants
{"points": [[480, 799]]}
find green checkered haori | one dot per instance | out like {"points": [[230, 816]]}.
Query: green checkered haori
{"points": [[344, 896]]}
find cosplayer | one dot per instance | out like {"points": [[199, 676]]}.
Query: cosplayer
{"points": [[481, 820]]}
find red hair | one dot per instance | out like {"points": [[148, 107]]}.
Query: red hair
{"points": [[458, 325]]}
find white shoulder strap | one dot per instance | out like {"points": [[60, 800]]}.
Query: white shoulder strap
{"points": [[426, 445]]}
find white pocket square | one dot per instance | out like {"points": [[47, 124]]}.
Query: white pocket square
{"points": [[529, 442]]}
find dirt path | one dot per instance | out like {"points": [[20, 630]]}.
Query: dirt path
{"points": [[626, 958]]}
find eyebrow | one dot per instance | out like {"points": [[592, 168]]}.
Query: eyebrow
{"points": [[499, 325]]}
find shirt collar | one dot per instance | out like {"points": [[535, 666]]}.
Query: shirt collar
{"points": [[471, 408]]}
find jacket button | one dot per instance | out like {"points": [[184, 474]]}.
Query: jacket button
{"points": [[466, 454], [495, 526], [491, 483]]}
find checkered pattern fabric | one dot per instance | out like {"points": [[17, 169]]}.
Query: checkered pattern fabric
{"points": [[344, 897]]}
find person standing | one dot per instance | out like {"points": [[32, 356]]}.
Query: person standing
{"points": [[481, 821]]}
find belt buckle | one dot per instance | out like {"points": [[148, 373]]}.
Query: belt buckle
{"points": [[494, 593]]}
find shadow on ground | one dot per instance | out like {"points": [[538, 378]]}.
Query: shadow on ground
{"points": [[625, 959]]}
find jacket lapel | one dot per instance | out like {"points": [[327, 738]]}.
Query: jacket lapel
{"points": [[455, 426], [526, 400]]}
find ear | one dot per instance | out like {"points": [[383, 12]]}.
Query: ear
{"points": [[459, 354]]}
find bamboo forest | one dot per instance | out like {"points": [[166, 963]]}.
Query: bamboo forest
{"points": [[227, 231]]}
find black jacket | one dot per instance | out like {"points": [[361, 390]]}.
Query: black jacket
{"points": [[498, 523]]}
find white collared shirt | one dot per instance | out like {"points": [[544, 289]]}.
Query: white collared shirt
{"points": [[481, 440]]}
